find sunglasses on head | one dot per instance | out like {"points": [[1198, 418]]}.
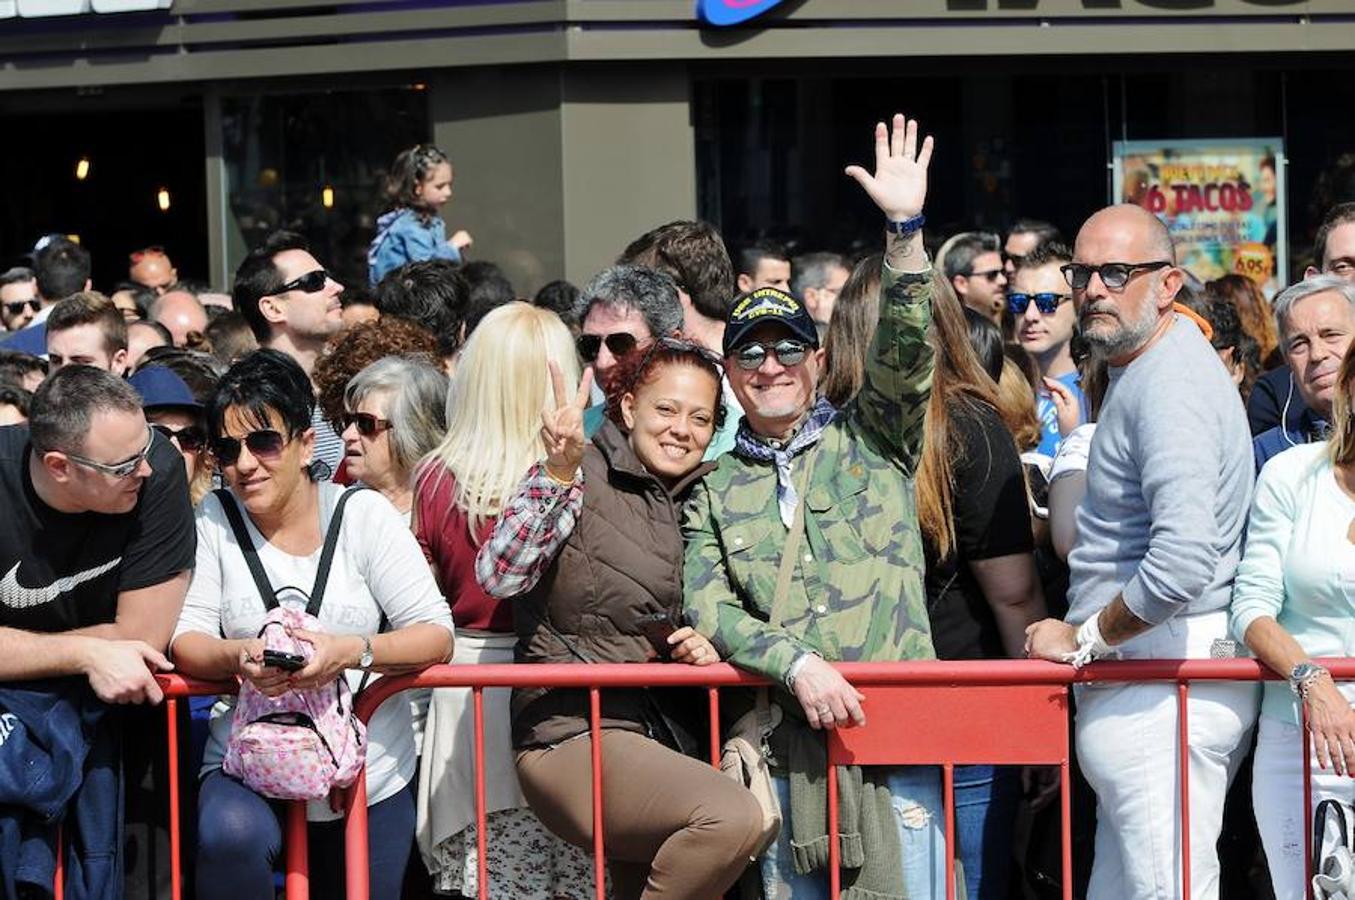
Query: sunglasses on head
{"points": [[1114, 275], [1046, 302], [264, 444], [684, 347], [191, 438], [367, 424], [309, 283], [788, 353], [18, 306], [619, 343]]}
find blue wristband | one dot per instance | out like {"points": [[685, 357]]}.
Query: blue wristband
{"points": [[907, 227]]}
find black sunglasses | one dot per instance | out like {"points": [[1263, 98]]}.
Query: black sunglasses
{"points": [[788, 353], [987, 274], [18, 306], [1114, 275], [618, 342], [264, 444], [1046, 302], [1016, 259], [191, 437], [308, 283], [367, 424]]}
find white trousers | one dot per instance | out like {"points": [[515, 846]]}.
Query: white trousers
{"points": [[1127, 746], [1277, 799]]}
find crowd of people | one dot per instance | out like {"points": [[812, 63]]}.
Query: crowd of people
{"points": [[1010, 447]]}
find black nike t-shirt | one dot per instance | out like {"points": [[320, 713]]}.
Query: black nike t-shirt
{"points": [[60, 571]]}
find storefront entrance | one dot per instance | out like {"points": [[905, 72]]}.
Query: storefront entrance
{"points": [[143, 185]]}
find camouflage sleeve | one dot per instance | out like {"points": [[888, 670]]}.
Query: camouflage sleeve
{"points": [[898, 377], [714, 608]]}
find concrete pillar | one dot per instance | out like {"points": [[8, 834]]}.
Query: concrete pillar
{"points": [[557, 169]]}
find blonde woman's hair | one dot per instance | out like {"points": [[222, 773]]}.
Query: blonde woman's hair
{"points": [[1341, 445], [500, 387]]}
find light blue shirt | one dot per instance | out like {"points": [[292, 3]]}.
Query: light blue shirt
{"points": [[1299, 566], [1049, 413]]}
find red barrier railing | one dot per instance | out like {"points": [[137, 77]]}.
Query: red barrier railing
{"points": [[954, 674], [905, 680]]}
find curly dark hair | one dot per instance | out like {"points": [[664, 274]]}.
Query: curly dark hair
{"points": [[353, 350], [642, 365]]}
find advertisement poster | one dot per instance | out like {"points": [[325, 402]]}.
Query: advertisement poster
{"points": [[1223, 201]]}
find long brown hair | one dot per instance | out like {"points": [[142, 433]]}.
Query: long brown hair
{"points": [[1341, 446], [959, 380], [1016, 405], [855, 316], [1253, 311]]}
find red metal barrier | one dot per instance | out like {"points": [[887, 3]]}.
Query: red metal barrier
{"points": [[1036, 687]]}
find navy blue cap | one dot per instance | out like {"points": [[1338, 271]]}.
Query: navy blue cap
{"points": [[161, 387], [768, 305]]}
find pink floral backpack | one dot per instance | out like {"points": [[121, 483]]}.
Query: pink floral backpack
{"points": [[301, 744]]}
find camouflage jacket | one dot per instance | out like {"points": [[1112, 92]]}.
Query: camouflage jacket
{"points": [[857, 592]]}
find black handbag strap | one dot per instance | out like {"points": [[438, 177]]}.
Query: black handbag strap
{"points": [[232, 509], [1320, 817], [266, 590], [327, 554]]}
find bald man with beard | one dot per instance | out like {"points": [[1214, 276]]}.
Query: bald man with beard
{"points": [[1160, 535]]}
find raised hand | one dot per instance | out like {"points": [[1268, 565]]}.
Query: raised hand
{"points": [[562, 430], [1066, 406], [899, 185]]}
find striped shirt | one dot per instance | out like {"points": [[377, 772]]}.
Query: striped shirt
{"points": [[328, 444]]}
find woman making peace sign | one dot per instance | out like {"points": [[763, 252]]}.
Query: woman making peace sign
{"points": [[591, 551]]}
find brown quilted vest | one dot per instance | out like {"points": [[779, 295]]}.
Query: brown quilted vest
{"points": [[623, 560]]}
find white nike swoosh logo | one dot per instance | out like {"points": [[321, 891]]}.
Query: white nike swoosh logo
{"points": [[16, 596]]}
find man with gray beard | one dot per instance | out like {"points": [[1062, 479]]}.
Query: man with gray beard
{"points": [[1159, 539]]}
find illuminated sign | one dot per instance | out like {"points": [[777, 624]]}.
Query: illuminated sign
{"points": [[1222, 200], [39, 9], [731, 12]]}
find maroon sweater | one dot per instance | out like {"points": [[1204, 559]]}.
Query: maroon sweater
{"points": [[444, 533]]}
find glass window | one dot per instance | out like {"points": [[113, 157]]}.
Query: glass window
{"points": [[316, 164]]}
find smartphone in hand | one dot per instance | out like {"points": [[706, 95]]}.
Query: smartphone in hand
{"points": [[289, 662], [657, 627]]}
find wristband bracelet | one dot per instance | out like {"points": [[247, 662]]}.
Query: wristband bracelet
{"points": [[795, 667], [557, 479], [908, 227], [1090, 643]]}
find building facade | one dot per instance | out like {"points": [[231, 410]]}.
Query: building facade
{"points": [[575, 125]]}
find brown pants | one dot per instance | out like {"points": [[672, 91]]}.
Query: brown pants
{"points": [[673, 827]]}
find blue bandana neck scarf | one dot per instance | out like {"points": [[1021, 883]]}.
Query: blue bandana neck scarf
{"points": [[759, 449]]}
